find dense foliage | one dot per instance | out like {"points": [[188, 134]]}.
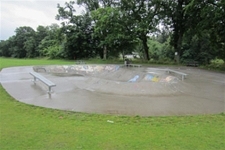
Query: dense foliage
{"points": [[155, 29]]}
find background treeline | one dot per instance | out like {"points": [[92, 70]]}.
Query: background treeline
{"points": [[154, 29]]}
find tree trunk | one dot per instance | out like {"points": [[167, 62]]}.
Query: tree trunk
{"points": [[145, 45], [178, 47], [104, 52], [177, 43]]}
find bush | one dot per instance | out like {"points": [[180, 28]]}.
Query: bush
{"points": [[166, 61], [53, 52], [217, 64]]}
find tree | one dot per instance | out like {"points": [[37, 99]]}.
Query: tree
{"points": [[94, 8], [176, 17], [23, 34], [5, 47], [92, 5], [141, 18], [89, 5], [41, 33], [78, 31], [199, 19], [111, 30], [52, 45], [30, 47], [208, 17]]}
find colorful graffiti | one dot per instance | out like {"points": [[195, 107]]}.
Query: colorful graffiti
{"points": [[157, 78], [153, 78], [107, 71], [94, 69], [169, 79], [134, 79]]}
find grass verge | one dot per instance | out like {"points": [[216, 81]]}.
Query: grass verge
{"points": [[25, 126]]}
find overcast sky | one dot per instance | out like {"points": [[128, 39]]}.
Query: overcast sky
{"points": [[32, 13]]}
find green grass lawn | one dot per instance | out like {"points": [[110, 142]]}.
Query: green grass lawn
{"points": [[24, 127]]}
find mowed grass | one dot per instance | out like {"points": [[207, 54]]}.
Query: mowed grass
{"points": [[10, 62], [25, 127]]}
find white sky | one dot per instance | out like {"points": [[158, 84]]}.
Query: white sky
{"points": [[32, 13]]}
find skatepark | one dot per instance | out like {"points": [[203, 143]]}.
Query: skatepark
{"points": [[119, 90]]}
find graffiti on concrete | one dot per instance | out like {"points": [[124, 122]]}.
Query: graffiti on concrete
{"points": [[153, 78], [134, 79], [87, 69]]}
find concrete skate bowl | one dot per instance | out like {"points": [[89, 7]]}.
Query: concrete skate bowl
{"points": [[119, 90], [145, 91], [117, 80]]}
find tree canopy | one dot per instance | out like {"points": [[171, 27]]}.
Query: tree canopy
{"points": [[155, 29]]}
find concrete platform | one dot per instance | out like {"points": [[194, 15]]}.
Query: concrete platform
{"points": [[111, 89]]}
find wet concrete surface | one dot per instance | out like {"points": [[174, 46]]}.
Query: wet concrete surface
{"points": [[112, 89]]}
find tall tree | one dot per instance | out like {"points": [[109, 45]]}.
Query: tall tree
{"points": [[99, 5], [208, 17], [78, 30], [23, 34], [142, 18], [111, 30], [178, 20]]}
